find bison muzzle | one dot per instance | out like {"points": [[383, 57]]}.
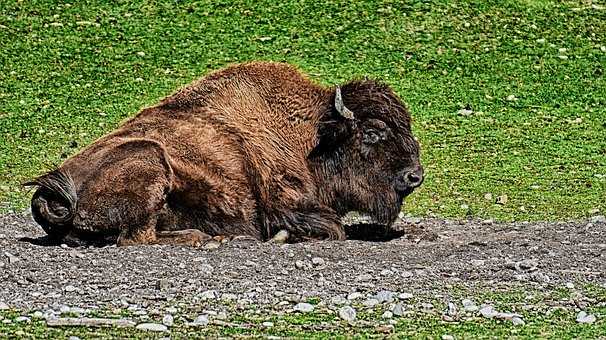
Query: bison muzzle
{"points": [[251, 149]]}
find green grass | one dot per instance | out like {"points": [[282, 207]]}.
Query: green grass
{"points": [[559, 324], [70, 73]]}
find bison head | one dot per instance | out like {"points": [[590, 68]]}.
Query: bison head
{"points": [[366, 154]]}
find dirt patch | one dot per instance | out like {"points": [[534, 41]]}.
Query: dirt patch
{"points": [[430, 259]]}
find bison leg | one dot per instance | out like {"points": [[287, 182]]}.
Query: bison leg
{"points": [[188, 237], [309, 222]]}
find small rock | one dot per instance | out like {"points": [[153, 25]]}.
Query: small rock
{"points": [[23, 319], [304, 307], [598, 219], [347, 313], [168, 320], [405, 296], [370, 302], [267, 324], [465, 112], [229, 297], [152, 327], [387, 315], [583, 317], [201, 320], [355, 296], [406, 274], [364, 277], [141, 54], [338, 300], [212, 245], [73, 337], [38, 315], [488, 196], [447, 337], [488, 311], [469, 305], [384, 296], [280, 237], [511, 98], [386, 272], [398, 309], [318, 261], [569, 285], [502, 200], [528, 265], [208, 295], [11, 258], [3, 306], [299, 264], [171, 310], [517, 321], [452, 309], [70, 288], [162, 284], [488, 222]]}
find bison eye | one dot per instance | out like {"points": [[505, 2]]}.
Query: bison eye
{"points": [[371, 137]]}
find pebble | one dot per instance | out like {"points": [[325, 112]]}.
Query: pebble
{"points": [[171, 310], [447, 337], [465, 112], [386, 272], [517, 321], [387, 315], [364, 277], [384, 296], [406, 274], [598, 219], [355, 296], [23, 319], [38, 315], [162, 284], [529, 265], [152, 327], [11, 258], [168, 320], [318, 261], [212, 245], [347, 313], [398, 309], [73, 337], [569, 285], [370, 302], [208, 295], [405, 296], [267, 324], [488, 311], [338, 300], [201, 320], [280, 237], [70, 288], [452, 309], [304, 307], [583, 317], [3, 306]]}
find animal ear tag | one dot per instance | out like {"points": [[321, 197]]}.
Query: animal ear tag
{"points": [[340, 107]]}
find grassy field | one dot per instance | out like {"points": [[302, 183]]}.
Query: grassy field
{"points": [[531, 72]]}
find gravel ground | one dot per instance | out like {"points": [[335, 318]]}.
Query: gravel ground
{"points": [[430, 261]]}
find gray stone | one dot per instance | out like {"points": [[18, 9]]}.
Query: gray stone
{"points": [[583, 317], [488, 311], [370, 302], [447, 337], [384, 296], [168, 320], [318, 261], [469, 305], [267, 324], [517, 321], [347, 313], [398, 309], [338, 300], [355, 296], [11, 258], [3, 306], [152, 327], [452, 309], [23, 319], [304, 307], [208, 295], [162, 284], [387, 315], [598, 219], [201, 320], [364, 277], [405, 296]]}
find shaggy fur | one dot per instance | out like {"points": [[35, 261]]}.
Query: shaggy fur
{"points": [[248, 150]]}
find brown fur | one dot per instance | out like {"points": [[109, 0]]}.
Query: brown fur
{"points": [[248, 150]]}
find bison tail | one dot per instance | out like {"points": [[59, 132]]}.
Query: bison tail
{"points": [[54, 203]]}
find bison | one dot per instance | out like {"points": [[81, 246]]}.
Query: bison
{"points": [[251, 149]]}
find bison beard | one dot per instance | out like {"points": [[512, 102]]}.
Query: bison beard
{"points": [[248, 150]]}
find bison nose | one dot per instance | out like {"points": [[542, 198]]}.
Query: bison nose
{"points": [[414, 178]]}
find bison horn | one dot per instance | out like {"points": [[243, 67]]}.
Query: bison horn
{"points": [[341, 108]]}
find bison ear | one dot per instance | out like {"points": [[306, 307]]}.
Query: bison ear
{"points": [[340, 106]]}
